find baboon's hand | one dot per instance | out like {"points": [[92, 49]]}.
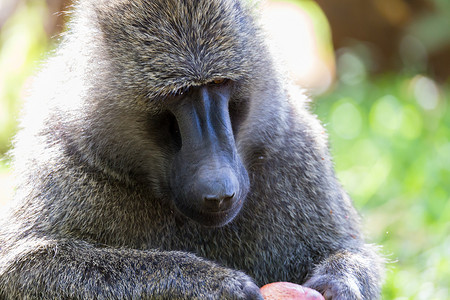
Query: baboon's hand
{"points": [[246, 288], [235, 285], [335, 288], [348, 275]]}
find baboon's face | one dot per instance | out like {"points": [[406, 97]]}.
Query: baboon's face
{"points": [[208, 181]]}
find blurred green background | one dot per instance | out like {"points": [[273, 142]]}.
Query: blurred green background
{"points": [[386, 110]]}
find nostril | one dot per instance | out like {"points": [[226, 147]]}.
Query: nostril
{"points": [[227, 202], [212, 203], [227, 198], [212, 199], [218, 203]]}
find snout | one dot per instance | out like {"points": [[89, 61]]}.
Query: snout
{"points": [[216, 191], [212, 195]]}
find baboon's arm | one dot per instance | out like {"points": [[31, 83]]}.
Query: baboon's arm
{"points": [[79, 270]]}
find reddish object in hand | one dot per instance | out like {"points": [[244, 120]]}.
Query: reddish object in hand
{"points": [[289, 291]]}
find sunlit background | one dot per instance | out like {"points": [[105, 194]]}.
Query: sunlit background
{"points": [[379, 73]]}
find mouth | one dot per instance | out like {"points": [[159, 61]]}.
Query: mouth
{"points": [[212, 218], [216, 219]]}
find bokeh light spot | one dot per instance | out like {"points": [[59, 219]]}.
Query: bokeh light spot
{"points": [[350, 67], [426, 92], [346, 119], [412, 123], [386, 115]]}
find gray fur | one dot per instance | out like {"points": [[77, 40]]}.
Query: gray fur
{"points": [[92, 216]]}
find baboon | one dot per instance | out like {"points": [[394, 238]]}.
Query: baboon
{"points": [[162, 155]]}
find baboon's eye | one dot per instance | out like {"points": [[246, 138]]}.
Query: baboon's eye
{"points": [[219, 81]]}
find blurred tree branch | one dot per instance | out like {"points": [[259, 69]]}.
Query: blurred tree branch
{"points": [[383, 24]]}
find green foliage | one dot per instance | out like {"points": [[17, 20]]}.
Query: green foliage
{"points": [[22, 42], [390, 138]]}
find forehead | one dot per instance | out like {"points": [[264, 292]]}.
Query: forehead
{"points": [[181, 40]]}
